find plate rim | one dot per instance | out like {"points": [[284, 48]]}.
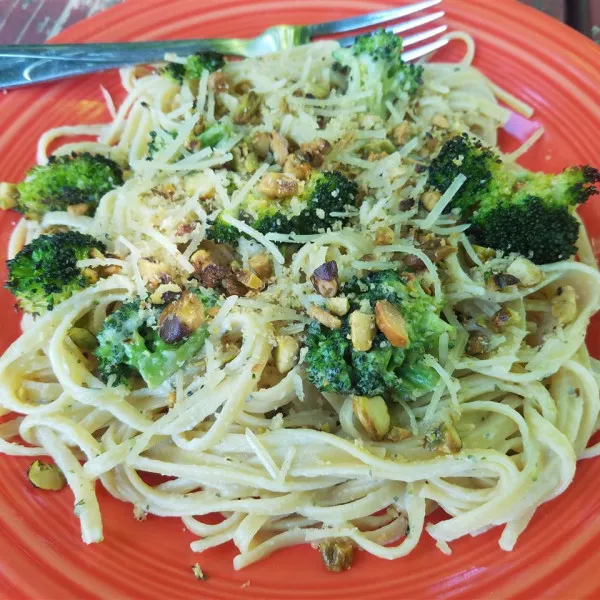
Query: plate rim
{"points": [[572, 41]]}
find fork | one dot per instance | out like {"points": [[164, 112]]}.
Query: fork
{"points": [[24, 65]]}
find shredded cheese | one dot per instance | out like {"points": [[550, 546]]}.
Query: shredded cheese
{"points": [[443, 202], [259, 237]]}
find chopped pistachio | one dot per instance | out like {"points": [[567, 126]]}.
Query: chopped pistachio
{"points": [[91, 275], [251, 162], [337, 554], [391, 323], [262, 265], [526, 272], [377, 149], [440, 121], [154, 273], [199, 574], [503, 318], [338, 306], [45, 476], [108, 270], [373, 415], [164, 293], [500, 281], [260, 143], [318, 90], [139, 514], [314, 152], [401, 133], [324, 317], [247, 109], [429, 199], [286, 353], [484, 254], [78, 209], [249, 279], [218, 82], [325, 279], [278, 185], [384, 236], [436, 248], [279, 147], [8, 195], [201, 258], [297, 166], [180, 318], [477, 344], [443, 438], [362, 330]]}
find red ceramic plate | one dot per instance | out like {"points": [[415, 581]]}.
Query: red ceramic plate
{"points": [[41, 554]]}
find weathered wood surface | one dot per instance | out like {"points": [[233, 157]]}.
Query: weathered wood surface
{"points": [[34, 21]]}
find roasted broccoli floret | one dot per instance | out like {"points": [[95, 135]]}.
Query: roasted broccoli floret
{"points": [[45, 271], [325, 193], [67, 180], [512, 210], [333, 365], [327, 363], [194, 65], [208, 138], [222, 232], [541, 232], [205, 139], [310, 212], [482, 167], [151, 341], [375, 371], [376, 60]]}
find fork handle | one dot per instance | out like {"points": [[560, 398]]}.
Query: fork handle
{"points": [[24, 65]]}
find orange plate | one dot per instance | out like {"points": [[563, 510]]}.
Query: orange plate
{"points": [[41, 554]]}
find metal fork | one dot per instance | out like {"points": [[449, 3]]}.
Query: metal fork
{"points": [[24, 65]]}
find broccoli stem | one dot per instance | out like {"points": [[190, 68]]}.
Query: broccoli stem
{"points": [[164, 360]]}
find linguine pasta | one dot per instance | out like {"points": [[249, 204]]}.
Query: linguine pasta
{"points": [[281, 462]]}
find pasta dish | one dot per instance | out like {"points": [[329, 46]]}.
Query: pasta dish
{"points": [[307, 293]]}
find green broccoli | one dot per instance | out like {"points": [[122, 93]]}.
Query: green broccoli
{"points": [[542, 233], [510, 210], [482, 167], [214, 134], [132, 339], [333, 365], [208, 138], [379, 59], [375, 371], [222, 232], [66, 180], [194, 66], [158, 142], [324, 193], [45, 271], [326, 361]]}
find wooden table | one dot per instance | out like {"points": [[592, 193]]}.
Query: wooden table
{"points": [[31, 21]]}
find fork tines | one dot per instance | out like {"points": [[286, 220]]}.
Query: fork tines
{"points": [[387, 16]]}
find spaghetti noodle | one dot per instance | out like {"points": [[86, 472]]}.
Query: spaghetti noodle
{"points": [[282, 463]]}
